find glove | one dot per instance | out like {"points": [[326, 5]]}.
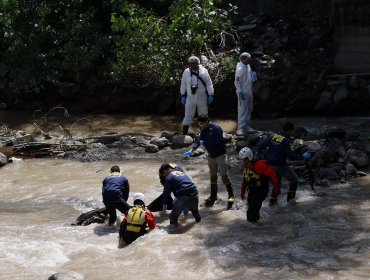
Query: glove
{"points": [[242, 95], [188, 154], [306, 155], [201, 142], [254, 76], [185, 211], [210, 99], [183, 100], [273, 201], [164, 207]]}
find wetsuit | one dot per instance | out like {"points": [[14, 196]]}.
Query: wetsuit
{"points": [[256, 178]]}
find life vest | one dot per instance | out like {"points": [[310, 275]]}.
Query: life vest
{"points": [[254, 179], [136, 219]]}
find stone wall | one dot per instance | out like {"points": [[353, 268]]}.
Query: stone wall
{"points": [[350, 22]]}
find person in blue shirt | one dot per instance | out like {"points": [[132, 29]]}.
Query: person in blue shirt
{"points": [[280, 148], [185, 191], [211, 137], [115, 193]]}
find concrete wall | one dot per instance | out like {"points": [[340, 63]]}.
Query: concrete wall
{"points": [[351, 21]]}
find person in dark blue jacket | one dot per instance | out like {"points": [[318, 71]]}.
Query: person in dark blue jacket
{"points": [[115, 193], [211, 137], [177, 182], [280, 148]]}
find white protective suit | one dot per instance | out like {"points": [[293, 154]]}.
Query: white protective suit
{"points": [[197, 101], [243, 83]]}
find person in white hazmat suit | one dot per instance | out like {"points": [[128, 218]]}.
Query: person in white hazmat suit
{"points": [[196, 91], [244, 78]]}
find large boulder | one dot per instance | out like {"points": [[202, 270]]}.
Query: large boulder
{"points": [[358, 158], [160, 142], [180, 141]]}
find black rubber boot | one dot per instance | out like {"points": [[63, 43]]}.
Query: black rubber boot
{"points": [[185, 129], [290, 195], [231, 199], [291, 191], [210, 201]]}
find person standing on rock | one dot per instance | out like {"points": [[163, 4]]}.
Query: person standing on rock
{"points": [[115, 193], [244, 78], [280, 148], [211, 137], [196, 91]]}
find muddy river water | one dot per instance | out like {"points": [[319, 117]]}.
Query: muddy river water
{"points": [[313, 238]]}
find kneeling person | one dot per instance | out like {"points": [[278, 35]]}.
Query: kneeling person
{"points": [[185, 191], [256, 176], [135, 222]]}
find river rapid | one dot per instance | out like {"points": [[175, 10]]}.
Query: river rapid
{"points": [[313, 238]]}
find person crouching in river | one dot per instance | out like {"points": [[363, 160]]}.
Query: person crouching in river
{"points": [[115, 193], [256, 176], [135, 222], [185, 191]]}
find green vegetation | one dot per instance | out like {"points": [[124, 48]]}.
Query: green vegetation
{"points": [[47, 44]]}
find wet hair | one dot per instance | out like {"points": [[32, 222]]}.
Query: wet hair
{"points": [[288, 126], [115, 168], [203, 118]]}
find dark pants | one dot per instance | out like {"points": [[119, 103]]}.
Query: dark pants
{"points": [[180, 204], [288, 173], [113, 202], [256, 195]]}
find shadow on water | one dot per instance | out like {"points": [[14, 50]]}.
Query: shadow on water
{"points": [[102, 230], [303, 239]]}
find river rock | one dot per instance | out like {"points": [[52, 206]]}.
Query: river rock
{"points": [[180, 141], [167, 134], [3, 106], [324, 101], [61, 276], [252, 139], [160, 142], [354, 82], [340, 95], [151, 148], [358, 158], [327, 173], [350, 169], [198, 152], [3, 159]]}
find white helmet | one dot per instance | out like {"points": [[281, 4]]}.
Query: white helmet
{"points": [[246, 153], [139, 196]]}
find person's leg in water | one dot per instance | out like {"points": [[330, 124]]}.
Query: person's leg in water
{"points": [[221, 160], [256, 196], [192, 204], [213, 168], [293, 183]]}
